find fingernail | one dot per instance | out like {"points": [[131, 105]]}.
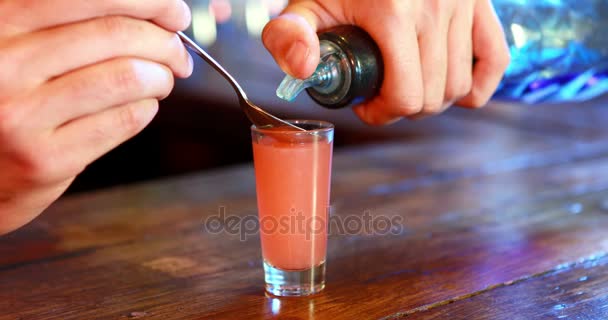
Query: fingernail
{"points": [[297, 55], [190, 66]]}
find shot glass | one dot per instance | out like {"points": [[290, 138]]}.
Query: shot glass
{"points": [[293, 174]]}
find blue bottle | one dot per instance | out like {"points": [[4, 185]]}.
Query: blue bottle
{"points": [[559, 53]]}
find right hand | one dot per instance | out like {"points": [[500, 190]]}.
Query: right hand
{"points": [[428, 47], [77, 79]]}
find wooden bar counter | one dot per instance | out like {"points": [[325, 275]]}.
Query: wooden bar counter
{"points": [[504, 216]]}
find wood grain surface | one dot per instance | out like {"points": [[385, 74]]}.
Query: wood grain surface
{"points": [[500, 219]]}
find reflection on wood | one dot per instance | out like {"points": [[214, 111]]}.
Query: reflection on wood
{"points": [[578, 292], [494, 215]]}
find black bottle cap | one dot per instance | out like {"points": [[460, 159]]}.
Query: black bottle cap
{"points": [[366, 65]]}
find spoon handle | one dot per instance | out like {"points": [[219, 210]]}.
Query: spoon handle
{"points": [[203, 54]]}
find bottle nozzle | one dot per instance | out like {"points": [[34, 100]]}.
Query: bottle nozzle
{"points": [[291, 87], [326, 78], [349, 71]]}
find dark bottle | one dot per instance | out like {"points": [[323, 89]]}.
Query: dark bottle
{"points": [[350, 70], [559, 53]]}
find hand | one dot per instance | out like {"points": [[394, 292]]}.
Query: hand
{"points": [[427, 46], [78, 78]]}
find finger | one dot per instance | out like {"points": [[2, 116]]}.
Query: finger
{"points": [[87, 43], [292, 40], [433, 40], [98, 87], [401, 93], [86, 139], [460, 53], [491, 52], [24, 16]]}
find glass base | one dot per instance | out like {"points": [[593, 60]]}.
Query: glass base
{"points": [[286, 283]]}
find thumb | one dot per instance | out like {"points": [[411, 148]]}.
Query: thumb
{"points": [[292, 40]]}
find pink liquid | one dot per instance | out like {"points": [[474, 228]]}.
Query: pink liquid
{"points": [[292, 181]]}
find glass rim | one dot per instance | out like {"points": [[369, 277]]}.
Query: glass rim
{"points": [[323, 127]]}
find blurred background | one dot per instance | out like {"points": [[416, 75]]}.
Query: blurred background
{"points": [[200, 126]]}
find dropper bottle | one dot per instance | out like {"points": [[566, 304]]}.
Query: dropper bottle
{"points": [[350, 70]]}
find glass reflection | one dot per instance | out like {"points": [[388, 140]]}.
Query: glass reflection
{"points": [[279, 308], [276, 306]]}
